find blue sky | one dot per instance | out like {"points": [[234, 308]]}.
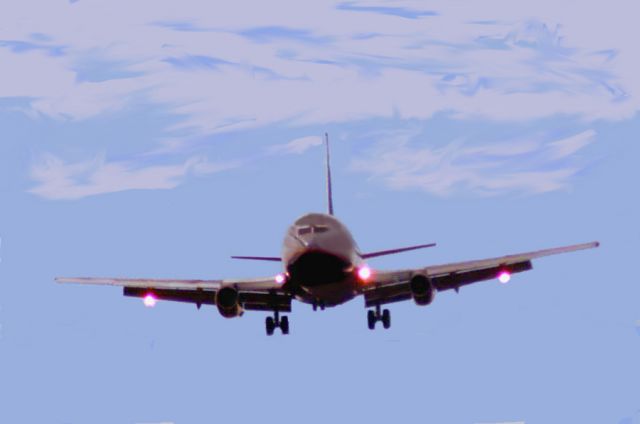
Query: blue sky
{"points": [[151, 140]]}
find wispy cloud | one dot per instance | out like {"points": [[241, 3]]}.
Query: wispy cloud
{"points": [[196, 62], [298, 145], [185, 25], [312, 65], [331, 62], [19, 46], [274, 33], [402, 12], [528, 165], [56, 179], [94, 68], [570, 145]]}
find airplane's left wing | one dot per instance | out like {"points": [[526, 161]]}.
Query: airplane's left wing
{"points": [[247, 294], [422, 283]]}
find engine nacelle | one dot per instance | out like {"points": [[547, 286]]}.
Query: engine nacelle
{"points": [[228, 302], [422, 289]]}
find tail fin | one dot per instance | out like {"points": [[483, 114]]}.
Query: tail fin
{"points": [[329, 192]]}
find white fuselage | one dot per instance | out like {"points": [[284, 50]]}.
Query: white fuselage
{"points": [[321, 260]]}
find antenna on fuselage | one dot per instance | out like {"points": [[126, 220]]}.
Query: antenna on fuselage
{"points": [[329, 192]]}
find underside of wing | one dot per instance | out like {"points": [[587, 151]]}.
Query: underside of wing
{"points": [[394, 286], [240, 300]]}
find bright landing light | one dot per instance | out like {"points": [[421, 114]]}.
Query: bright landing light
{"points": [[364, 273], [504, 277], [280, 278], [149, 300]]}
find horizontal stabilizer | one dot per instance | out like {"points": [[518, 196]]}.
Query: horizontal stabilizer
{"points": [[393, 251], [259, 258]]}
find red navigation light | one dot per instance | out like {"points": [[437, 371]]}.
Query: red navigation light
{"points": [[504, 277], [364, 273], [280, 278], [150, 300]]}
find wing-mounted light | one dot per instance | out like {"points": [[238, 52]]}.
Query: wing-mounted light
{"points": [[149, 300], [504, 276], [364, 274]]}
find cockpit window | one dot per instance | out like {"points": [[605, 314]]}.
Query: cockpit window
{"points": [[312, 229], [304, 230]]}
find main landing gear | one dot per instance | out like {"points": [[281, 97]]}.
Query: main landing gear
{"points": [[318, 304], [271, 323], [375, 316]]}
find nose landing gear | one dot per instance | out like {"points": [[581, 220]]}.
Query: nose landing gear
{"points": [[271, 323], [318, 304], [375, 316]]}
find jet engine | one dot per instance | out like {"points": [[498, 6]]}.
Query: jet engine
{"points": [[422, 289], [228, 302]]}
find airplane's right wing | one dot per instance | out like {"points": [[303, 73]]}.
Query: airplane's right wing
{"points": [[395, 286], [149, 283], [249, 294]]}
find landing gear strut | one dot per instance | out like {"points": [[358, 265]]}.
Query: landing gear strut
{"points": [[271, 323], [318, 304], [375, 316]]}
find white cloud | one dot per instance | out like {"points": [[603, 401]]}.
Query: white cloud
{"points": [[570, 145], [222, 69], [523, 62], [298, 145], [59, 180], [54, 91], [530, 165]]}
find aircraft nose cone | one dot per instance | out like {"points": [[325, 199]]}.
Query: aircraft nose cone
{"points": [[313, 244]]}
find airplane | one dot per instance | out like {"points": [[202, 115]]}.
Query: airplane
{"points": [[323, 267]]}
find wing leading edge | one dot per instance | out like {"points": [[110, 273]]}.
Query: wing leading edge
{"points": [[257, 284]]}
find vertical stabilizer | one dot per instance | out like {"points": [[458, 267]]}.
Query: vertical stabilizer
{"points": [[329, 191]]}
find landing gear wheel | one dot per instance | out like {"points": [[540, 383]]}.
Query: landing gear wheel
{"points": [[371, 320], [386, 319], [284, 325], [270, 325]]}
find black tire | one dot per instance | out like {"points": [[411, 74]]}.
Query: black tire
{"points": [[371, 320], [386, 319], [270, 325], [284, 325]]}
